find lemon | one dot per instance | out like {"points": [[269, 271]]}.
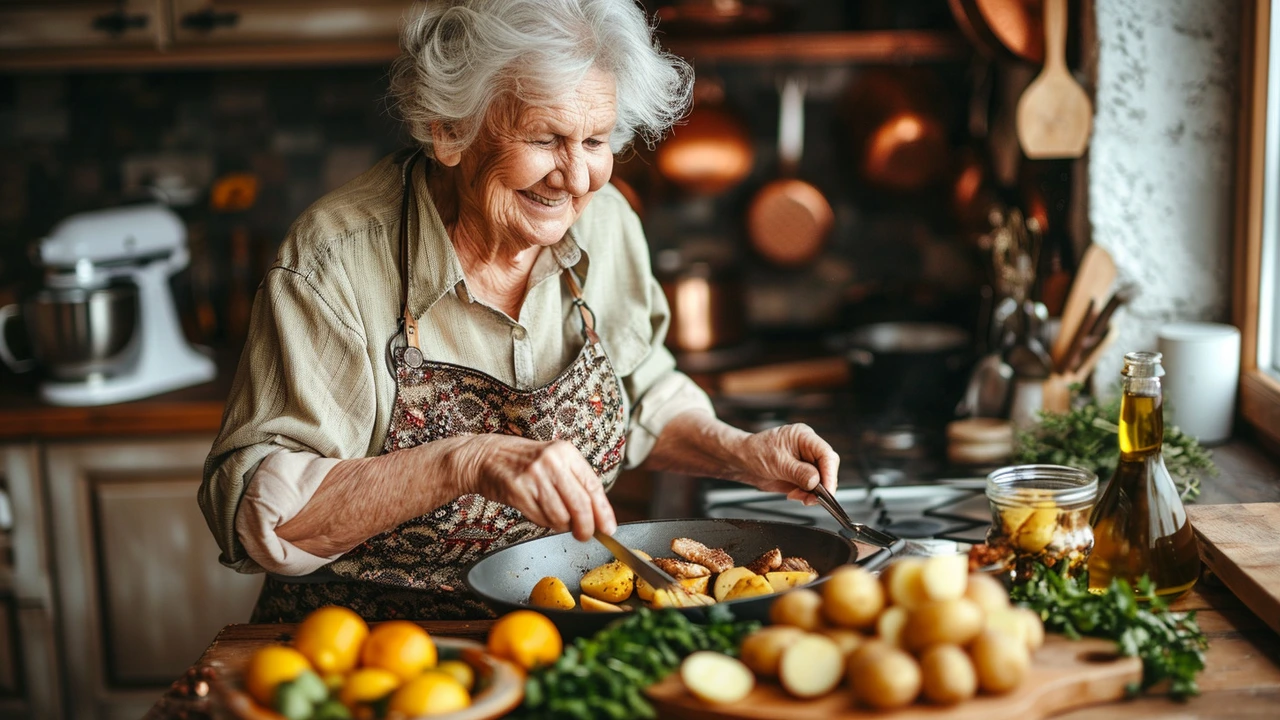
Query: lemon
{"points": [[268, 668], [431, 693], [526, 638], [367, 685], [461, 671], [400, 647], [331, 637]]}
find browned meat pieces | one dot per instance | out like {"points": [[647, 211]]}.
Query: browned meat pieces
{"points": [[766, 562], [680, 569], [714, 558], [795, 564]]}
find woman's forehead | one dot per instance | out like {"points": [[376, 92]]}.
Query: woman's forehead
{"points": [[592, 103]]}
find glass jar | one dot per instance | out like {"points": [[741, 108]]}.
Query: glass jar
{"points": [[1040, 513]]}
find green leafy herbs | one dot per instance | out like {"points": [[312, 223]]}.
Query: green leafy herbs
{"points": [[1171, 645], [1087, 436], [603, 676]]}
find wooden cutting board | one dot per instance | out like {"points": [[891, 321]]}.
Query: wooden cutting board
{"points": [[1239, 544], [1064, 674]]}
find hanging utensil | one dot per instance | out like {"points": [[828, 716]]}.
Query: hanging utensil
{"points": [[1055, 115], [711, 152]]}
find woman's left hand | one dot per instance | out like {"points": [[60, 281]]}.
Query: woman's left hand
{"points": [[790, 459]]}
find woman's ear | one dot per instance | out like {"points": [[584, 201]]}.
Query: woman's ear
{"points": [[444, 145]]}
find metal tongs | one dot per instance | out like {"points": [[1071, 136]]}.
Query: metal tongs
{"points": [[892, 544]]}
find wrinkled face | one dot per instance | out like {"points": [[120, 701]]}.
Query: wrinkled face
{"points": [[534, 169]]}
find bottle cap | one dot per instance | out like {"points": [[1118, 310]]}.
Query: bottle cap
{"points": [[1142, 364]]}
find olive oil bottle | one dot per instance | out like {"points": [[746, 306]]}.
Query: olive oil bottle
{"points": [[1139, 524]]}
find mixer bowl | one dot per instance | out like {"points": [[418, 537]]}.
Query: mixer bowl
{"points": [[79, 333]]}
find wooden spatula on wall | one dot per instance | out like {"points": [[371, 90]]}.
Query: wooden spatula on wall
{"points": [[1054, 113]]}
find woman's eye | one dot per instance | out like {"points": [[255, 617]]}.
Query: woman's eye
{"points": [[593, 143], [544, 141]]}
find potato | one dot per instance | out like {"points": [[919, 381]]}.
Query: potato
{"points": [[1034, 628], [551, 592], [847, 640], [954, 622], [696, 585], [868, 651], [591, 604], [751, 586], [947, 675], [716, 678], [727, 579], [988, 592], [891, 623], [800, 608], [664, 598], [904, 582], [611, 582], [1001, 660], [944, 577], [852, 597], [762, 649], [644, 590], [811, 666], [783, 581], [890, 680]]}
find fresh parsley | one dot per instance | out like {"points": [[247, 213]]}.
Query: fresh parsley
{"points": [[1171, 645], [1087, 436]]}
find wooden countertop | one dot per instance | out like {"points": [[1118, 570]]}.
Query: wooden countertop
{"points": [[1241, 677]]}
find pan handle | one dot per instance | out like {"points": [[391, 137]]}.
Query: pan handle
{"points": [[882, 557]]}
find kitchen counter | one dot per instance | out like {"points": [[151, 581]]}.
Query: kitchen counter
{"points": [[1241, 677]]}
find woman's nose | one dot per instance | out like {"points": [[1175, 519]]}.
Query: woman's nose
{"points": [[573, 174]]}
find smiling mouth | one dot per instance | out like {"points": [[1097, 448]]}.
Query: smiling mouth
{"points": [[544, 200]]}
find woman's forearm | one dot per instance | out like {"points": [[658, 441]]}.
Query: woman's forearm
{"points": [[363, 497], [697, 443]]}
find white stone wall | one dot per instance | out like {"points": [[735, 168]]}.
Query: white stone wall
{"points": [[1161, 162]]}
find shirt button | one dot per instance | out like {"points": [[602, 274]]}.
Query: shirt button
{"points": [[518, 333]]}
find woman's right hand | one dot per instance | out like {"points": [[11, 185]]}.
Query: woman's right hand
{"points": [[550, 482]]}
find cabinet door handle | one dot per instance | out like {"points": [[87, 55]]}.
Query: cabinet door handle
{"points": [[208, 19], [115, 23]]}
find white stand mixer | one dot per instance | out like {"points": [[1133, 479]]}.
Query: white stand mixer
{"points": [[145, 244]]}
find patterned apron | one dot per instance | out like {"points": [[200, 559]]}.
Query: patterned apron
{"points": [[415, 571]]}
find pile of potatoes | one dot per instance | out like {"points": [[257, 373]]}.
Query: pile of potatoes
{"points": [[604, 588], [925, 629]]}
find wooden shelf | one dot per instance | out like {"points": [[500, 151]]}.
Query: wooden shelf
{"points": [[880, 46], [886, 46]]}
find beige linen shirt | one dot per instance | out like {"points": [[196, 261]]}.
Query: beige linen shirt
{"points": [[314, 380]]}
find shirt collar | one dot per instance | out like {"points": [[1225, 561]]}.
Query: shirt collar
{"points": [[435, 268]]}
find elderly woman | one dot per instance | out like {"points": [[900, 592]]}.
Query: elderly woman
{"points": [[462, 347]]}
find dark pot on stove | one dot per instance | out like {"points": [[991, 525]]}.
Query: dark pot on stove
{"points": [[906, 372]]}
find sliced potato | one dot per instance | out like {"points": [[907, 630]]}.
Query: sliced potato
{"points": [[904, 582], [696, 585], [800, 608], [551, 592], [1036, 532], [783, 580], [944, 577], [890, 680], [612, 582], [890, 624], [852, 597], [664, 598], [644, 590], [727, 579], [847, 640], [953, 622], [1001, 661], [762, 649], [947, 675], [988, 592], [591, 604], [716, 678], [751, 586], [811, 666]]}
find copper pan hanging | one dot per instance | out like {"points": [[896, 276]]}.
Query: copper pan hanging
{"points": [[1003, 28]]}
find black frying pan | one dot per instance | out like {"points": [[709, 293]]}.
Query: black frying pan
{"points": [[504, 578]]}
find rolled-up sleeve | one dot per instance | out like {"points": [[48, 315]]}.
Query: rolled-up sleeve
{"points": [[304, 383]]}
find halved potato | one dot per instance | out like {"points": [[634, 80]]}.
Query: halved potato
{"points": [[782, 581], [696, 584], [612, 582], [591, 604], [551, 592], [716, 678], [727, 579], [749, 587]]}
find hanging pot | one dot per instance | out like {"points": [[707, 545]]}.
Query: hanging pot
{"points": [[711, 152], [899, 140], [706, 300], [911, 371]]}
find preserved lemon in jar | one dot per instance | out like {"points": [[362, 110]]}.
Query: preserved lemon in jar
{"points": [[1040, 513]]}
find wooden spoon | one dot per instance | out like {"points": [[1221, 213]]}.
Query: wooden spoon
{"points": [[1054, 114], [1091, 287]]}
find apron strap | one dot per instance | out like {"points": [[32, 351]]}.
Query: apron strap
{"points": [[408, 323], [588, 317]]}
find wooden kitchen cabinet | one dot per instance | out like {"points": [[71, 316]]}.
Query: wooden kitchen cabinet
{"points": [[139, 586], [40, 24], [285, 21]]}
